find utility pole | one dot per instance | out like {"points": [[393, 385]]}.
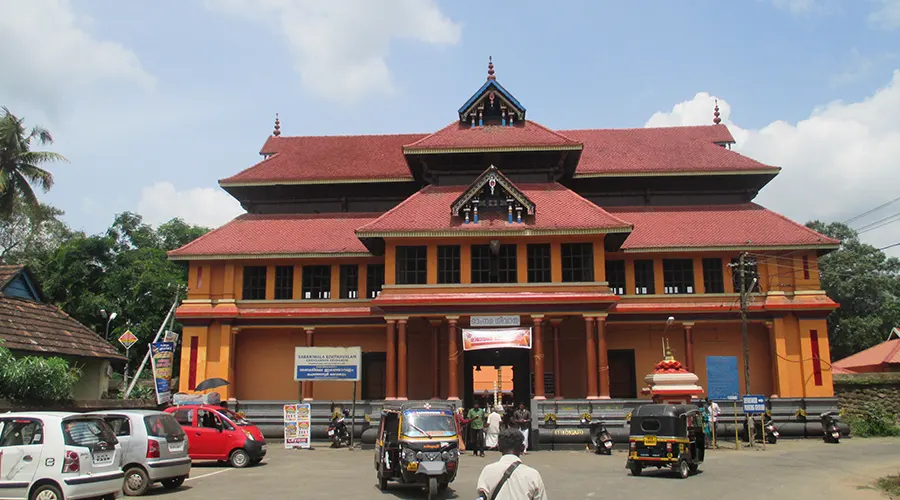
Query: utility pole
{"points": [[745, 305]]}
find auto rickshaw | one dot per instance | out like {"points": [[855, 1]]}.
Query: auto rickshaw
{"points": [[666, 436], [417, 444]]}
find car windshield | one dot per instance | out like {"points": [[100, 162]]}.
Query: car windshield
{"points": [[234, 417], [428, 423], [87, 432], [163, 425]]}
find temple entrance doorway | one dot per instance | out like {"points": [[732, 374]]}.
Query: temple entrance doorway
{"points": [[622, 376], [512, 365]]}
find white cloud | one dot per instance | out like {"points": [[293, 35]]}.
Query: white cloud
{"points": [[45, 49], [340, 47], [837, 163], [794, 6], [886, 16], [209, 207]]}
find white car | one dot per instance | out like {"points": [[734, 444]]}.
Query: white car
{"points": [[58, 456], [154, 447]]}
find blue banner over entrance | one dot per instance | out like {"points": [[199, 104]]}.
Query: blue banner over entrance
{"points": [[722, 377]]}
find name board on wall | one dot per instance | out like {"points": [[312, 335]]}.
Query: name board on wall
{"points": [[495, 321]]}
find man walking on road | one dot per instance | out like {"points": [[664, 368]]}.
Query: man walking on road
{"points": [[476, 423], [508, 478], [522, 420]]}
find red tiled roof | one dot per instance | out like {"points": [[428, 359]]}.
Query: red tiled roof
{"points": [[660, 151], [883, 353], [321, 158], [522, 135], [722, 226], [556, 208], [280, 236]]}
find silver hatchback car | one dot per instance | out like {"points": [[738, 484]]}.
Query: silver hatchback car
{"points": [[154, 446]]}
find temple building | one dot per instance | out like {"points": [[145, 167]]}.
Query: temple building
{"points": [[567, 255]]}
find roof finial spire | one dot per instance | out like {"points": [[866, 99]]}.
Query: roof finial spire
{"points": [[277, 131], [491, 68], [716, 118]]}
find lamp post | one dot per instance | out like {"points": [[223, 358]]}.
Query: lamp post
{"points": [[108, 317]]}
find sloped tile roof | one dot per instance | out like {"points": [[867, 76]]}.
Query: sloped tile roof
{"points": [[461, 136], [883, 353], [720, 226], [280, 236], [322, 158], [556, 208], [659, 151]]}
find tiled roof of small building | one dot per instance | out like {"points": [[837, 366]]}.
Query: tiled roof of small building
{"points": [[744, 226], [881, 354], [525, 135]]}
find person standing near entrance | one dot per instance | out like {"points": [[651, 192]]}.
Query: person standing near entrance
{"points": [[461, 428], [522, 420], [508, 478], [476, 423], [493, 428]]}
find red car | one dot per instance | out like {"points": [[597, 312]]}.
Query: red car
{"points": [[217, 433]]}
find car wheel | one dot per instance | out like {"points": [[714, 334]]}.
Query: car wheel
{"points": [[136, 482], [239, 459], [46, 492], [174, 482]]}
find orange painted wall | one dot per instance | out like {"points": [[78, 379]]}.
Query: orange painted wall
{"points": [[572, 357]]}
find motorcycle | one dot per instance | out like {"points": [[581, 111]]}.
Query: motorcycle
{"points": [[832, 434], [601, 440], [772, 433], [337, 430]]}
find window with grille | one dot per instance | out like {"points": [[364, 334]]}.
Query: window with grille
{"points": [[349, 281], [577, 262], [713, 276], [284, 282], [643, 277], [678, 276], [490, 268], [539, 263], [412, 265], [374, 280], [615, 276], [316, 282], [751, 275], [254, 283], [448, 264]]}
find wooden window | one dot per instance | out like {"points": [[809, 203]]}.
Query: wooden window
{"points": [[615, 276], [254, 283], [678, 276], [284, 282], [488, 267], [349, 281], [539, 263], [751, 276], [412, 265], [577, 262], [448, 264], [374, 280], [316, 282], [713, 276], [816, 357], [806, 267], [643, 277]]}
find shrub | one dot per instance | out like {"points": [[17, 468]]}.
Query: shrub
{"points": [[872, 421], [36, 380]]}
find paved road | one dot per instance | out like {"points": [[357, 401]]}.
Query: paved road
{"points": [[790, 469]]}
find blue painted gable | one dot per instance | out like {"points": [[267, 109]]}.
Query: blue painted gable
{"points": [[491, 85], [21, 287]]}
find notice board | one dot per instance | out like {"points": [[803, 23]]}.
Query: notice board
{"points": [[722, 377]]}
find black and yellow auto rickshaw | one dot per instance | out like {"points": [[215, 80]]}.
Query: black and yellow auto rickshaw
{"points": [[418, 444], [666, 436]]}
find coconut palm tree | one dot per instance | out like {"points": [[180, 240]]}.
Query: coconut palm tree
{"points": [[19, 165]]}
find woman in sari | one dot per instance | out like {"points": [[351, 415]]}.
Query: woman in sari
{"points": [[460, 430]]}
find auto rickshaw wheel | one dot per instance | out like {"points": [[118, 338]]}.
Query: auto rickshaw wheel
{"points": [[682, 469], [636, 469], [443, 486], [382, 482], [432, 488], [694, 467]]}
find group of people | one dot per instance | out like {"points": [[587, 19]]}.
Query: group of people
{"points": [[484, 428]]}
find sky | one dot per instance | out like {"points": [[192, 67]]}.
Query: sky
{"points": [[153, 101]]}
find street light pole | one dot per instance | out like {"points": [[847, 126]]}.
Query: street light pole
{"points": [[108, 318]]}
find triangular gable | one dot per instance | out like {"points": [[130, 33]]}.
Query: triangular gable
{"points": [[491, 186], [17, 282], [491, 87]]}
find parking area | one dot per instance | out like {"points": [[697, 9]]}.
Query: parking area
{"points": [[805, 467]]}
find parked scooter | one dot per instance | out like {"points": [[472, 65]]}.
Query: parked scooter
{"points": [[772, 433], [337, 430], [832, 434], [601, 440]]}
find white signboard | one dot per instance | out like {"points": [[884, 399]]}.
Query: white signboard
{"points": [[327, 363], [495, 321]]}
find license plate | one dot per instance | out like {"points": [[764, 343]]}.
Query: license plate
{"points": [[412, 466], [649, 440], [174, 447], [102, 457], [331, 433]]}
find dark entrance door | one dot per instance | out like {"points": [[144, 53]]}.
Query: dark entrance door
{"points": [[374, 365], [517, 358], [622, 377]]}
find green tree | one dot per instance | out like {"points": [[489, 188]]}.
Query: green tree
{"points": [[30, 232], [36, 380], [866, 284], [20, 167]]}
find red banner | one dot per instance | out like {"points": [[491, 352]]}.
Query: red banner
{"points": [[496, 338]]}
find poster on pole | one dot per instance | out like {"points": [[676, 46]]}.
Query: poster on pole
{"points": [[162, 356], [496, 338], [296, 425], [327, 363]]}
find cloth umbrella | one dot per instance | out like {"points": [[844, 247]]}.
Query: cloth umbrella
{"points": [[210, 383]]}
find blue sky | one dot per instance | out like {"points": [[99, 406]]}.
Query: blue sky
{"points": [[154, 101]]}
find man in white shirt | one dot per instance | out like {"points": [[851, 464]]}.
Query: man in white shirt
{"points": [[521, 483]]}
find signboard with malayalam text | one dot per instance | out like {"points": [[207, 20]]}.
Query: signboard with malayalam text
{"points": [[162, 356], [754, 404], [127, 339], [327, 363], [495, 321], [496, 338], [722, 377]]}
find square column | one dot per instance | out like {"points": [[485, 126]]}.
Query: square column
{"points": [[401, 360], [453, 360], [538, 358], [390, 372], [307, 385], [557, 370], [689, 345], [436, 358], [602, 357], [591, 354]]}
